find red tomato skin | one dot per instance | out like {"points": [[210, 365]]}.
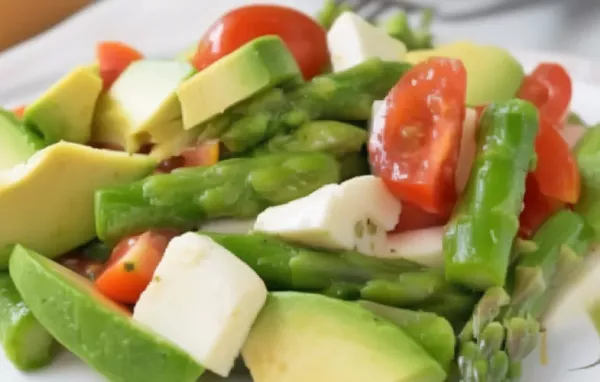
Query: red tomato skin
{"points": [[113, 58], [19, 111], [413, 218], [537, 208], [550, 89], [556, 173], [416, 152], [305, 38], [131, 266]]}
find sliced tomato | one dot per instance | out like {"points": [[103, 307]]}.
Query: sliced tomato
{"points": [[556, 173], [416, 151], [305, 38], [131, 266], [413, 217], [205, 154], [550, 89], [113, 58], [19, 111], [537, 208]]}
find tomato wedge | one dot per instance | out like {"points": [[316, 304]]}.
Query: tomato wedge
{"points": [[113, 58], [131, 266], [538, 208], [550, 89], [19, 111], [416, 151], [205, 154], [305, 38], [557, 173], [413, 218]]}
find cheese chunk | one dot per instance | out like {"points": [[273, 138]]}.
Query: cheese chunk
{"points": [[422, 246], [203, 299], [354, 215], [352, 40]]}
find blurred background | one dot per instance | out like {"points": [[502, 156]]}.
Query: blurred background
{"points": [[41, 39]]}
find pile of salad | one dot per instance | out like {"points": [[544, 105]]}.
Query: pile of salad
{"points": [[332, 200]]}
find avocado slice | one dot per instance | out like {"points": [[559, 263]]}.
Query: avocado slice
{"points": [[141, 106], [17, 142], [493, 74], [47, 203], [93, 327], [25, 341], [260, 64], [302, 337], [65, 111]]}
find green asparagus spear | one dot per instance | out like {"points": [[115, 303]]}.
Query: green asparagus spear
{"points": [[479, 237], [510, 325], [432, 332], [238, 188], [346, 95], [333, 137], [26, 343], [587, 154], [399, 28], [564, 236], [353, 165], [347, 275], [330, 12]]}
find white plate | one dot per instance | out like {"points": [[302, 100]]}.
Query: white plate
{"points": [[570, 346]]}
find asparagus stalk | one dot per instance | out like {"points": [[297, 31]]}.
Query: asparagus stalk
{"points": [[399, 28], [330, 12], [346, 275], [479, 237], [501, 325], [333, 137], [343, 96], [237, 188]]}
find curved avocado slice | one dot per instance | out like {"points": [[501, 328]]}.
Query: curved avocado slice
{"points": [[493, 74], [301, 337], [65, 111], [17, 142], [47, 203], [93, 327]]}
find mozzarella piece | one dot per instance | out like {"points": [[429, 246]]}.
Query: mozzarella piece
{"points": [[203, 299], [352, 40], [354, 215], [468, 149], [228, 226], [423, 246]]}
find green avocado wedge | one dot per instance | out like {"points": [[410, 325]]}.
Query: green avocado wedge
{"points": [[94, 328], [25, 341], [300, 337]]}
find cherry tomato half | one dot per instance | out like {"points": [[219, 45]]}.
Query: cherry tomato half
{"points": [[557, 173], [113, 58], [131, 266], [413, 218], [305, 38], [549, 88], [416, 151], [538, 208]]}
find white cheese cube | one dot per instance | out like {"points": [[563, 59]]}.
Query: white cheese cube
{"points": [[422, 246], [354, 215], [203, 299], [352, 40], [468, 149]]}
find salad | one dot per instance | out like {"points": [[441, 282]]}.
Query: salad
{"points": [[328, 199]]}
